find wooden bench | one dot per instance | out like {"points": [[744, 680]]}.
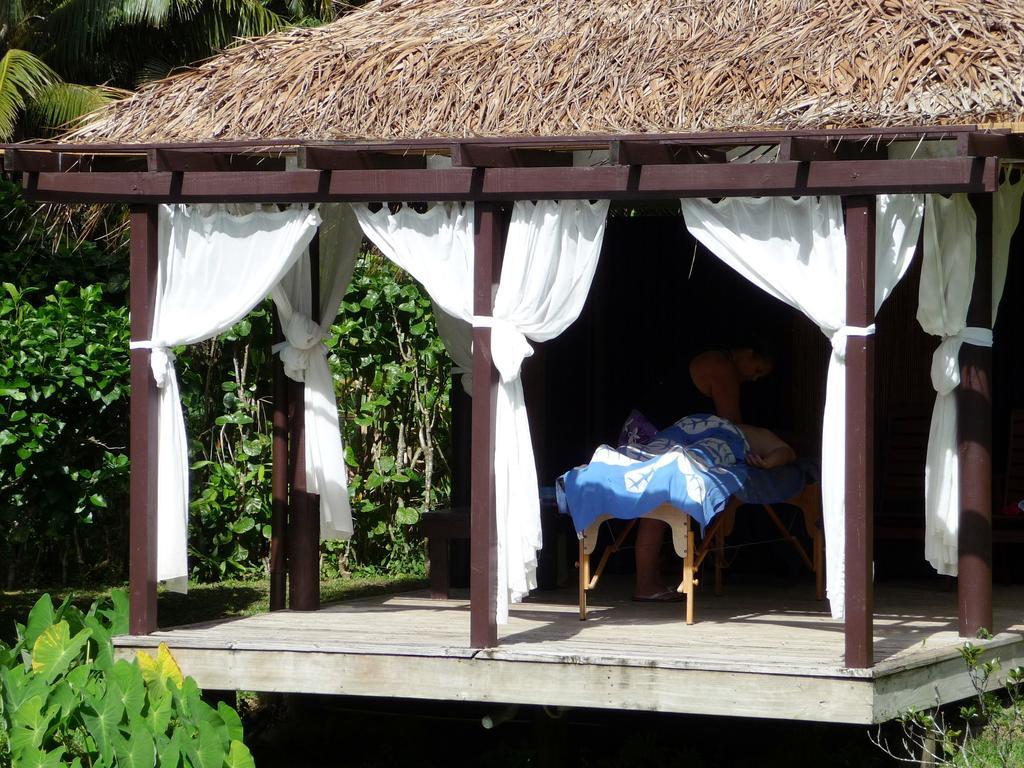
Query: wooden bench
{"points": [[441, 527]]}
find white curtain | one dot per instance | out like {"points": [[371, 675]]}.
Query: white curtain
{"points": [[436, 248], [1005, 218], [304, 357], [550, 258], [549, 262], [795, 250], [947, 280], [214, 266]]}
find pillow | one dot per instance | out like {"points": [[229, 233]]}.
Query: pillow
{"points": [[637, 430]]}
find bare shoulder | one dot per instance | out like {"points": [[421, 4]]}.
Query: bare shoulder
{"points": [[711, 366]]}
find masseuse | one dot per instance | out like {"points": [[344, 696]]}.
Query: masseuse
{"points": [[715, 380]]}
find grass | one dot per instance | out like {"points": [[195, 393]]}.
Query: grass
{"points": [[204, 602]]}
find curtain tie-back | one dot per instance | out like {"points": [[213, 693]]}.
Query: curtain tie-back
{"points": [[509, 346], [161, 360], [842, 333], [302, 342], [946, 359]]}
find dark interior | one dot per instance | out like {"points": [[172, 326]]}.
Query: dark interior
{"points": [[659, 298]]}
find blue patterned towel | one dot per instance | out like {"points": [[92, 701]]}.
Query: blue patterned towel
{"points": [[695, 465]]}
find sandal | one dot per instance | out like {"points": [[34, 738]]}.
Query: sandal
{"points": [[667, 596]]}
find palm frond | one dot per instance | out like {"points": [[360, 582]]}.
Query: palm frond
{"points": [[23, 77], [254, 18], [75, 31], [155, 68], [12, 13], [61, 104]]}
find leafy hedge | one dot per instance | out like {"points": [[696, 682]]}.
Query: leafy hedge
{"points": [[64, 392], [64, 700]]}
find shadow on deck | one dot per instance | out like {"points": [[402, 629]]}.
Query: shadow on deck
{"points": [[757, 651]]}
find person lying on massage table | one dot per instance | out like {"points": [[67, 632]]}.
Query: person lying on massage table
{"points": [[715, 375], [766, 451]]}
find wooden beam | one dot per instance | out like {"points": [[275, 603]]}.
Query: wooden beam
{"points": [[143, 425], [807, 148], [661, 153], [603, 182], [182, 160], [304, 507], [488, 243], [36, 161], [974, 428], [860, 409], [279, 482], [466, 155], [351, 159], [1002, 145], [588, 141]]}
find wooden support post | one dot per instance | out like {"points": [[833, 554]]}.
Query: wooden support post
{"points": [[860, 409], [974, 427], [143, 439], [279, 480], [304, 517], [483, 562]]}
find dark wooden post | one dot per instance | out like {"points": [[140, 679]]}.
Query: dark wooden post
{"points": [[279, 479], [860, 410], [143, 439], [304, 522], [483, 559], [974, 427]]}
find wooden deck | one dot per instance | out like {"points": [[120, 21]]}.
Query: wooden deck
{"points": [[755, 652]]}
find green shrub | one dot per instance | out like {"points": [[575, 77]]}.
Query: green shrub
{"points": [[64, 397], [63, 431], [64, 700], [391, 373], [986, 732]]}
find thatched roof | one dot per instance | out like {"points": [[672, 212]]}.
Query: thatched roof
{"points": [[456, 68]]}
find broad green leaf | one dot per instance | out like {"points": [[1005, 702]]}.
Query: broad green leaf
{"points": [[39, 618], [137, 751], [231, 720], [63, 698], [55, 649], [117, 616], [28, 725], [37, 758], [243, 525], [104, 658], [211, 747], [160, 668], [158, 714], [101, 719], [126, 682], [406, 516], [168, 753], [78, 677], [239, 756], [18, 685]]}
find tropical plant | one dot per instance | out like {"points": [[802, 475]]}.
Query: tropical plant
{"points": [[49, 47], [392, 376], [31, 89], [986, 732], [63, 423], [65, 700]]}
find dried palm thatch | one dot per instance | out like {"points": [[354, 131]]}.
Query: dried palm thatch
{"points": [[457, 68]]}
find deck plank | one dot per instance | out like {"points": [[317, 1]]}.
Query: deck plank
{"points": [[756, 651]]}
